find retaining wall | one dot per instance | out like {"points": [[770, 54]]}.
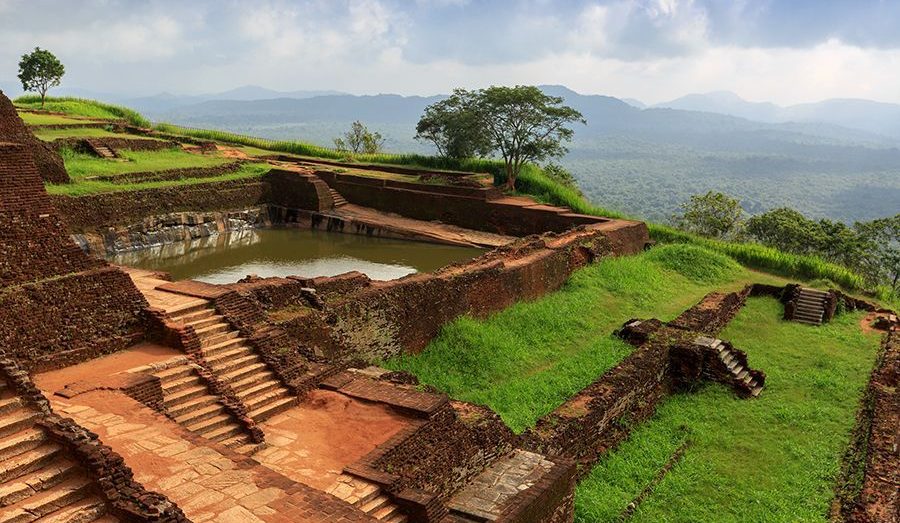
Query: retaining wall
{"points": [[13, 129]]}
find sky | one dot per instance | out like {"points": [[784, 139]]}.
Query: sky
{"points": [[788, 51]]}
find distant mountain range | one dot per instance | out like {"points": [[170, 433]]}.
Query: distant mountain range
{"points": [[865, 115]]}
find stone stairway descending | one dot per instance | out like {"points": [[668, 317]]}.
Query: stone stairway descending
{"points": [[367, 497], [38, 481], [189, 402], [337, 198], [738, 372], [810, 306], [236, 363], [101, 149]]}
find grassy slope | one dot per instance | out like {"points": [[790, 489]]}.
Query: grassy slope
{"points": [[526, 360], [85, 187], [83, 107], [81, 165], [48, 119], [48, 135], [769, 459]]}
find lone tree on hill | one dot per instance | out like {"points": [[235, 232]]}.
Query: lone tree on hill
{"points": [[522, 124], [40, 70], [713, 214], [359, 140]]}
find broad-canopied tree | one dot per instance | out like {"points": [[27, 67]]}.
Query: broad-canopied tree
{"points": [[40, 70]]}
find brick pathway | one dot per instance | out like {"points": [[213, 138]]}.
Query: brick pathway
{"points": [[208, 483]]}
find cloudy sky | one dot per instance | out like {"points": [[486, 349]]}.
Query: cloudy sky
{"points": [[785, 51]]}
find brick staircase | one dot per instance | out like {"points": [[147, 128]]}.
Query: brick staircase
{"points": [[38, 481], [236, 363], [367, 497], [101, 149], [810, 306], [337, 198], [737, 370], [189, 403]]}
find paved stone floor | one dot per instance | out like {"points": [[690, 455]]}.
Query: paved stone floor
{"points": [[485, 496], [314, 441], [209, 484]]}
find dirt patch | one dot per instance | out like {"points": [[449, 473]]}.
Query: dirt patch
{"points": [[135, 356], [313, 442]]}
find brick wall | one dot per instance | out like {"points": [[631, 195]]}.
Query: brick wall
{"points": [[713, 313], [12, 129], [382, 319], [87, 213]]}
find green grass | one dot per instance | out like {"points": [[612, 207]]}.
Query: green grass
{"points": [[48, 135], [48, 119], [774, 458], [81, 165], [528, 359], [83, 107], [87, 187]]}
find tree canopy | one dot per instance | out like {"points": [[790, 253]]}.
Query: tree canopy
{"points": [[521, 124], [40, 70], [713, 214], [359, 139]]}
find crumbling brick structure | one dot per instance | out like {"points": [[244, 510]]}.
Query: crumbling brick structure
{"points": [[60, 305], [13, 129]]}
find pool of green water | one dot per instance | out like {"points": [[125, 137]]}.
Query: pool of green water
{"points": [[228, 257]]}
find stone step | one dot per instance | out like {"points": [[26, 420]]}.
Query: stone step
{"points": [[192, 404], [224, 367], [249, 382], [262, 400], [208, 425], [815, 292], [236, 351], [244, 372], [267, 411], [86, 510], [8, 405], [809, 309], [225, 346], [210, 330], [29, 461], [21, 441], [174, 373], [16, 421], [201, 314], [814, 318], [366, 494], [237, 441], [197, 415], [181, 384], [733, 365], [397, 518], [186, 309], [37, 481], [742, 374], [205, 322], [386, 512], [756, 391], [174, 400], [259, 389], [379, 502], [224, 432], [217, 339], [808, 322]]}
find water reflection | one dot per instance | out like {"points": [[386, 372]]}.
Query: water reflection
{"points": [[227, 257]]}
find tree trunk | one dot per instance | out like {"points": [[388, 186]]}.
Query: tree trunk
{"points": [[510, 178], [43, 95]]}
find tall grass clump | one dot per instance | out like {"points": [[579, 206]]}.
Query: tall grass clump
{"points": [[83, 107], [696, 263]]}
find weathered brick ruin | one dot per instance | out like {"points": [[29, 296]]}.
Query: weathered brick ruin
{"points": [[46, 159], [254, 401]]}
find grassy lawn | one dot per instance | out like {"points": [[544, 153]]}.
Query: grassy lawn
{"points": [[47, 119], [528, 359], [769, 459], [71, 107], [48, 135], [85, 187], [81, 165]]}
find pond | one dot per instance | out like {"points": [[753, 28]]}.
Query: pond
{"points": [[228, 257]]}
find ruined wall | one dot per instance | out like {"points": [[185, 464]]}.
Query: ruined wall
{"points": [[114, 143], [459, 206], [297, 189], [602, 414], [879, 497], [13, 129], [59, 305], [383, 319], [713, 313], [88, 213]]}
